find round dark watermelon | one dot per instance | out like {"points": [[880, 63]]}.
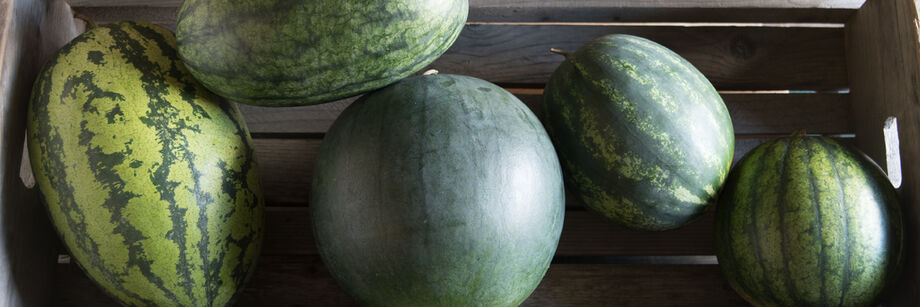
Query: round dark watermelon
{"points": [[438, 190], [147, 176], [804, 221], [301, 52], [644, 138]]}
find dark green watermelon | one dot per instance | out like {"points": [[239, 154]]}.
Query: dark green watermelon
{"points": [[644, 138], [804, 221], [438, 190], [148, 177], [300, 52]]}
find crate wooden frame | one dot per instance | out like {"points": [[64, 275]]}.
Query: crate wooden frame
{"points": [[849, 64]]}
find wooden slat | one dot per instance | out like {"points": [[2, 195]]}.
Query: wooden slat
{"points": [[287, 166], [30, 32], [848, 4], [751, 114], [304, 281], [843, 4], [663, 10], [643, 14], [288, 232], [598, 13], [733, 58], [884, 59]]}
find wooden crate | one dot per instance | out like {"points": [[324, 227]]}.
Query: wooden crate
{"points": [[833, 67]]}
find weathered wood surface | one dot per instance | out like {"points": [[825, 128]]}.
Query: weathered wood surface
{"points": [[606, 11], [304, 281], [839, 4], [884, 58], [584, 233], [287, 166], [751, 114], [30, 31], [733, 58]]}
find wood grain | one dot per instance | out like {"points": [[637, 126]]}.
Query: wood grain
{"points": [[287, 166], [884, 59], [288, 232], [304, 281], [603, 12], [845, 4], [733, 58], [751, 114], [30, 31]]}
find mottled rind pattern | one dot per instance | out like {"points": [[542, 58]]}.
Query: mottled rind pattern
{"points": [[804, 221], [438, 190], [644, 138], [298, 52], [148, 177]]}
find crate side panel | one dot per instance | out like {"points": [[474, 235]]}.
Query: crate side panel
{"points": [[30, 32], [883, 54]]}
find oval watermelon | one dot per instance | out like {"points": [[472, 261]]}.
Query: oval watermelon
{"points": [[299, 52], [438, 190], [644, 138], [147, 176], [804, 221]]}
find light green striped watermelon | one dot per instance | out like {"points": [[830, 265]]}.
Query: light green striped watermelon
{"points": [[644, 138], [804, 221], [148, 177], [300, 52]]}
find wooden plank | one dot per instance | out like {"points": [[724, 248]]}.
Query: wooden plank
{"points": [[751, 114], [287, 166], [843, 4], [288, 232], [30, 31], [598, 13], [304, 281], [884, 63], [645, 14], [847, 4], [733, 58], [662, 10]]}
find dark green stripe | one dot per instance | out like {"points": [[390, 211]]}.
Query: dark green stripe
{"points": [[822, 254], [159, 117], [785, 230], [52, 163], [754, 232], [845, 280]]}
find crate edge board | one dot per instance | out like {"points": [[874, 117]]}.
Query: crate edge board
{"points": [[845, 4], [883, 56], [30, 32]]}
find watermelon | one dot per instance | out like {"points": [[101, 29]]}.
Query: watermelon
{"points": [[644, 138], [148, 178], [301, 52], [805, 221], [438, 190]]}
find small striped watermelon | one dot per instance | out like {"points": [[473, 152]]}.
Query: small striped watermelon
{"points": [[300, 52], [805, 221], [644, 138], [147, 176]]}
